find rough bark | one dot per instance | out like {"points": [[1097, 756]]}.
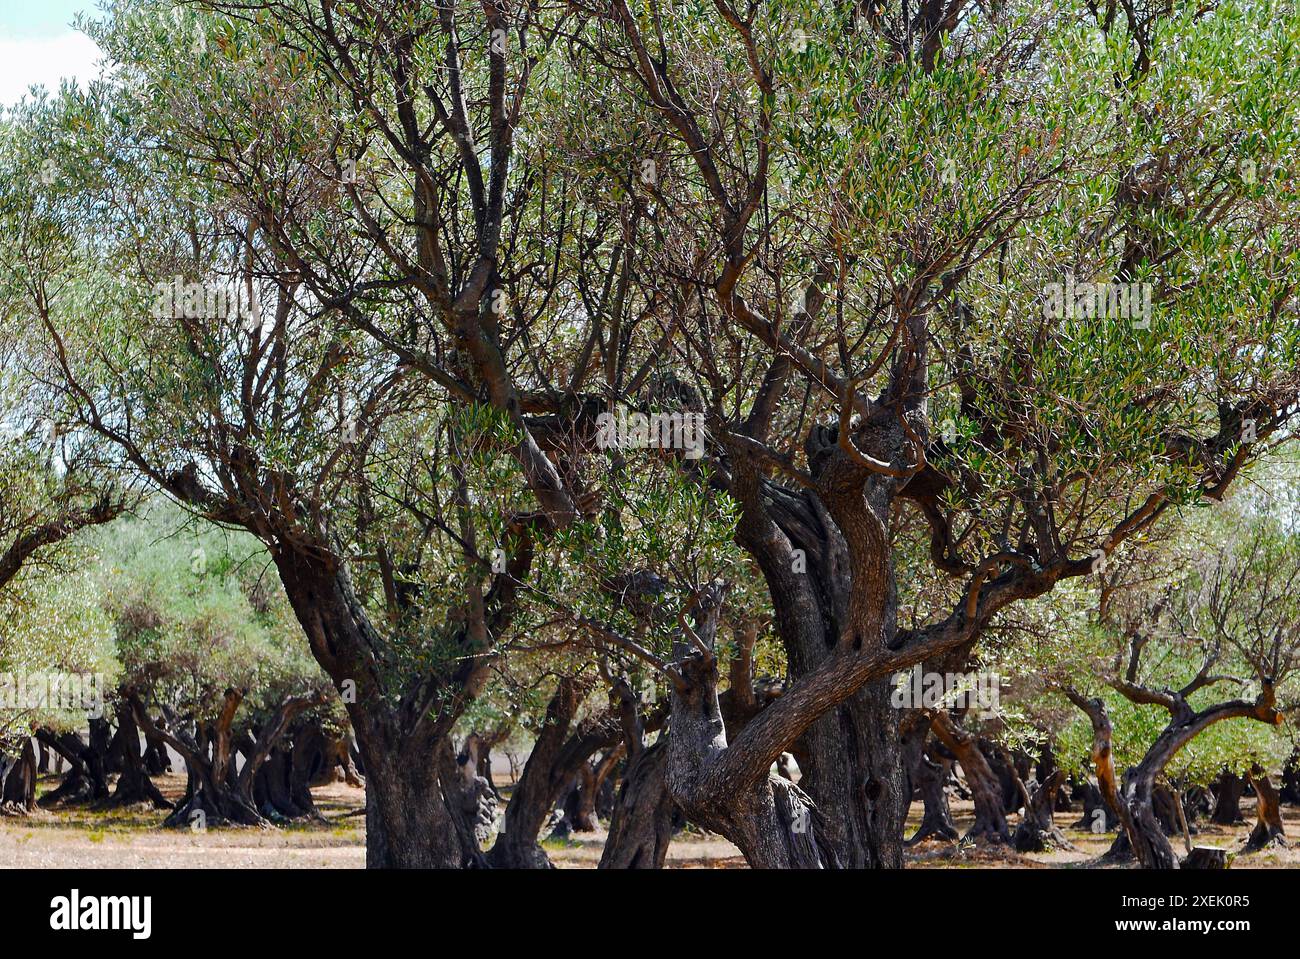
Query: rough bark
{"points": [[1228, 790], [410, 821], [1037, 830], [929, 777], [157, 760], [409, 824], [18, 778], [986, 790], [773, 822], [851, 761], [134, 785], [644, 816], [271, 791], [85, 780], [1268, 829]]}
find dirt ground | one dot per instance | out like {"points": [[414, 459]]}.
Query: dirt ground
{"points": [[131, 838]]}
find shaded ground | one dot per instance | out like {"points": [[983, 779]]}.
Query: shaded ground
{"points": [[130, 838]]}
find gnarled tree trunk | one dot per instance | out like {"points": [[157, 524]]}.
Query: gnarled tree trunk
{"points": [[133, 785], [18, 778], [1037, 830], [85, 780], [986, 789], [645, 816], [1268, 829], [930, 770], [1228, 790]]}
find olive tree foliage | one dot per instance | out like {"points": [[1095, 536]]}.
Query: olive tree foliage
{"points": [[1169, 656], [471, 229], [197, 610], [192, 335], [878, 228], [54, 628], [51, 483]]}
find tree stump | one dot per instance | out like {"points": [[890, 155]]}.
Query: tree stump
{"points": [[1206, 857]]}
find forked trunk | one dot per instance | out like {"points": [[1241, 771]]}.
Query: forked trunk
{"points": [[1037, 830], [134, 785], [84, 780], [592, 781], [929, 778], [985, 787], [1146, 836], [773, 822]]}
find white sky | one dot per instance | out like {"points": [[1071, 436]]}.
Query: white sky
{"points": [[39, 46], [44, 60]]}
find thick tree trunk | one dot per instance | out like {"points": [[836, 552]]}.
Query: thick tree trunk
{"points": [[644, 817], [210, 798], [1037, 830], [1268, 829], [408, 822], [852, 760], [536, 794], [133, 785], [271, 792], [929, 778], [1098, 816], [157, 760], [858, 780], [18, 778], [1146, 836], [101, 741], [84, 780], [773, 822], [1046, 767], [986, 789], [576, 814], [411, 821], [1228, 789]]}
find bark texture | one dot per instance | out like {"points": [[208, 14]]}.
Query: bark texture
{"points": [[1269, 830]]}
